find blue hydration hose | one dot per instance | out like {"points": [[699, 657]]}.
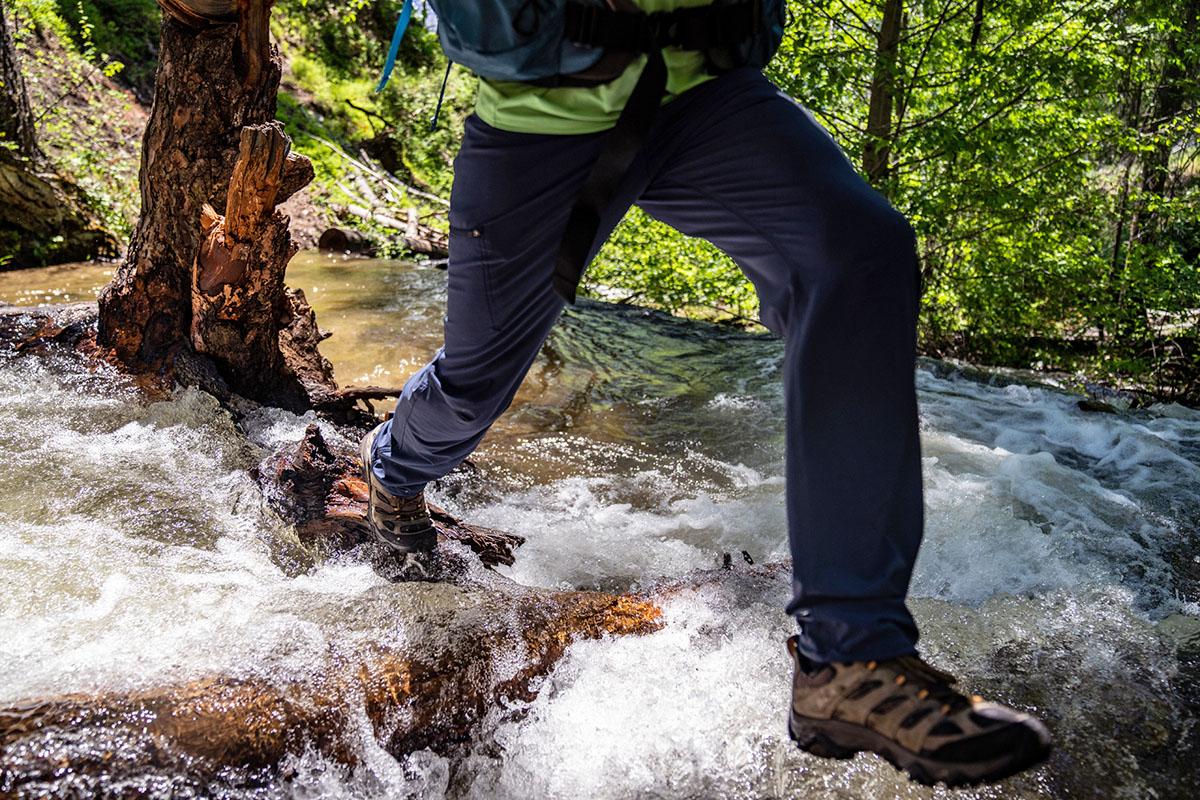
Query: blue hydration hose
{"points": [[393, 51]]}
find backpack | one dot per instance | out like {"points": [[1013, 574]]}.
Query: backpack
{"points": [[584, 42], [547, 41]]}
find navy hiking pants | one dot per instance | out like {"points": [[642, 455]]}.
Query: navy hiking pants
{"points": [[737, 162]]}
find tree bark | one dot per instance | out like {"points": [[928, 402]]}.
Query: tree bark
{"points": [[877, 151], [239, 307], [317, 487], [1177, 88], [205, 268], [16, 119]]}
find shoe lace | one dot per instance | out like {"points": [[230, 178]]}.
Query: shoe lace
{"points": [[934, 684]]}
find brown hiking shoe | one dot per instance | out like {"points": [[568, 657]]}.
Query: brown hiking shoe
{"points": [[904, 710], [400, 523]]}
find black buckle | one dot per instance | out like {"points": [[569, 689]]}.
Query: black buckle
{"points": [[583, 23]]}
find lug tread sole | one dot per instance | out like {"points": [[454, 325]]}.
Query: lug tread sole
{"points": [[839, 739]]}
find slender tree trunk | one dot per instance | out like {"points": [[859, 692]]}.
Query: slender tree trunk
{"points": [[16, 120], [877, 152], [1176, 86], [44, 219], [205, 268], [977, 24]]}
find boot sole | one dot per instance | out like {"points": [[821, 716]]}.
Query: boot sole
{"points": [[839, 739], [423, 543]]}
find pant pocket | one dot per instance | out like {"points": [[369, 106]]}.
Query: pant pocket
{"points": [[470, 274]]}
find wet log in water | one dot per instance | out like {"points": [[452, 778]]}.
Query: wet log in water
{"points": [[438, 654], [468, 645], [467, 640]]}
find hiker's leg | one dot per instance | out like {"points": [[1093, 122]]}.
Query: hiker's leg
{"points": [[836, 272], [509, 205]]}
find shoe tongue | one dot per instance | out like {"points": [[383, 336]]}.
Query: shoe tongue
{"points": [[915, 665]]}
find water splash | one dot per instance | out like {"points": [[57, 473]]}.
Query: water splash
{"points": [[1058, 573]]}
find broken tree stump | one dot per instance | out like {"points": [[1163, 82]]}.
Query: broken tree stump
{"points": [[200, 296], [239, 305]]}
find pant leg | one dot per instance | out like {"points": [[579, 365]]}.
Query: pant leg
{"points": [[509, 205], [837, 275]]}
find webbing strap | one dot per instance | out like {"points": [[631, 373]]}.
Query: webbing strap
{"points": [[694, 28], [620, 148]]}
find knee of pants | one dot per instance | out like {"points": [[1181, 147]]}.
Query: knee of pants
{"points": [[856, 246]]}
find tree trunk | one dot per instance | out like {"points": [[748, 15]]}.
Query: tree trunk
{"points": [[1176, 90], [196, 280], [877, 151], [16, 120], [44, 219]]}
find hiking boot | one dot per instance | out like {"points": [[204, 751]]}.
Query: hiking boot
{"points": [[904, 710], [399, 523]]}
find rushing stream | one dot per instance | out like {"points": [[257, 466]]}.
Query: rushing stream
{"points": [[1060, 572]]}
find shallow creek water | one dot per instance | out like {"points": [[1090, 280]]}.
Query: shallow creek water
{"points": [[1060, 572]]}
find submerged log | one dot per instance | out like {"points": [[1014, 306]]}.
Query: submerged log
{"points": [[459, 642], [466, 648]]}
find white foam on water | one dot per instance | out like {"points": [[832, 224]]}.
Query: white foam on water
{"points": [[577, 536], [136, 550]]}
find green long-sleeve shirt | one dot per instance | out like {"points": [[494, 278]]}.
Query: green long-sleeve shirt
{"points": [[523, 108]]}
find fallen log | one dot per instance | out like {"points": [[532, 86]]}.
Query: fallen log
{"points": [[344, 240], [467, 647], [416, 236]]}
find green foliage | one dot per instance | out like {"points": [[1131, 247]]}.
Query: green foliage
{"points": [[649, 263], [1022, 138], [1044, 151], [123, 33], [88, 131]]}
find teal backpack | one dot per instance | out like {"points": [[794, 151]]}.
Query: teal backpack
{"points": [[579, 42]]}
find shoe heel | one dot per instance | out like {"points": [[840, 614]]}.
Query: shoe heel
{"points": [[817, 742]]}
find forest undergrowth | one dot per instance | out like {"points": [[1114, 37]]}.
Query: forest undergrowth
{"points": [[1044, 152]]}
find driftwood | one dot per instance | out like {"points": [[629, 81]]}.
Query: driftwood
{"points": [[344, 240], [415, 236]]}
